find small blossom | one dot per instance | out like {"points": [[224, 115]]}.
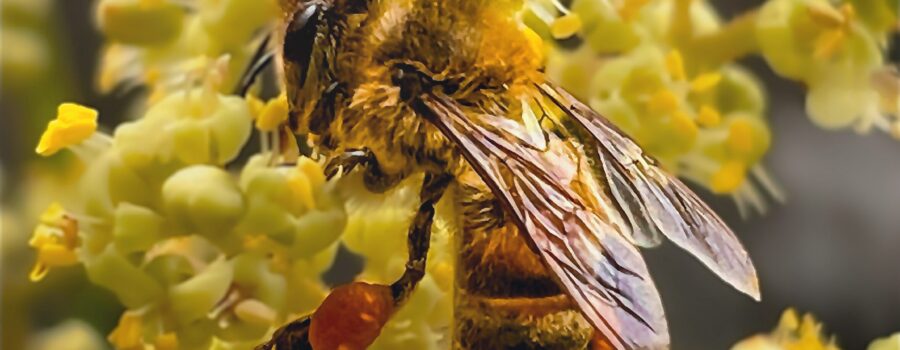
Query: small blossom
{"points": [[128, 334], [792, 333], [728, 178], [709, 116], [56, 241], [273, 114], [675, 65], [73, 124], [203, 199], [705, 82], [566, 26]]}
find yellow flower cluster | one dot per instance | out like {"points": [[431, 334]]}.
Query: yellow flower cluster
{"points": [[792, 333], [73, 124], [637, 63], [200, 256], [837, 49], [796, 333], [55, 239], [157, 43], [665, 72]]}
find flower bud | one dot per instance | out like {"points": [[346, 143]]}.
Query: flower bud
{"points": [[136, 228], [191, 300], [203, 199]]}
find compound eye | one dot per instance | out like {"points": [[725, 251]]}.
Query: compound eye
{"points": [[300, 38]]}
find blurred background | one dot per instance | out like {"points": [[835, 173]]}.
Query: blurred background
{"points": [[833, 248]]}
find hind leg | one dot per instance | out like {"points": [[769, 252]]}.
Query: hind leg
{"points": [[296, 335]]}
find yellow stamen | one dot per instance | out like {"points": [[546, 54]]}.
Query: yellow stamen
{"points": [[166, 341], [836, 28], [255, 104], [53, 214], [740, 137], [729, 177], [38, 272], [273, 114], [789, 320], [129, 333], [56, 255], [705, 82], [709, 116], [675, 65], [73, 124], [828, 43], [684, 126], [827, 16], [664, 101], [566, 26], [630, 8], [55, 240]]}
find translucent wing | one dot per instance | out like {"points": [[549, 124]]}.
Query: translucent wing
{"points": [[643, 189], [600, 270]]}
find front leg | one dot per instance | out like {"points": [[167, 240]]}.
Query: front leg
{"points": [[374, 178], [343, 326], [419, 237]]}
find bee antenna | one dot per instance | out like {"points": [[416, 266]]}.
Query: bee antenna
{"points": [[262, 58]]}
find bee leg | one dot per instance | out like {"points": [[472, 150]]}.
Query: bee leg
{"points": [[295, 335], [292, 336], [419, 237], [262, 58], [374, 178]]}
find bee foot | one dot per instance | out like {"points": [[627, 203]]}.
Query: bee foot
{"points": [[345, 162]]}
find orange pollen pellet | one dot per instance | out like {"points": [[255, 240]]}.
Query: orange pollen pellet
{"points": [[351, 317]]}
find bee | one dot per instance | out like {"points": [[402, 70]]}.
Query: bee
{"points": [[553, 200]]}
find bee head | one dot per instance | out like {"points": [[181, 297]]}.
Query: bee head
{"points": [[308, 20], [311, 28]]}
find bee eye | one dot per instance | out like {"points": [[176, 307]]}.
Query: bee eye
{"points": [[301, 36]]}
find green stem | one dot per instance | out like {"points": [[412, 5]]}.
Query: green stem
{"points": [[733, 41]]}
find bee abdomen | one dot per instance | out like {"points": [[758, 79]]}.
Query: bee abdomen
{"points": [[505, 297], [519, 323]]}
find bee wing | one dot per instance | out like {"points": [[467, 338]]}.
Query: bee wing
{"points": [[674, 209], [599, 269]]}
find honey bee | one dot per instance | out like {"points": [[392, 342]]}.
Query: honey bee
{"points": [[553, 200]]}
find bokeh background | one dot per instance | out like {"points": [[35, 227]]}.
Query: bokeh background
{"points": [[833, 248]]}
